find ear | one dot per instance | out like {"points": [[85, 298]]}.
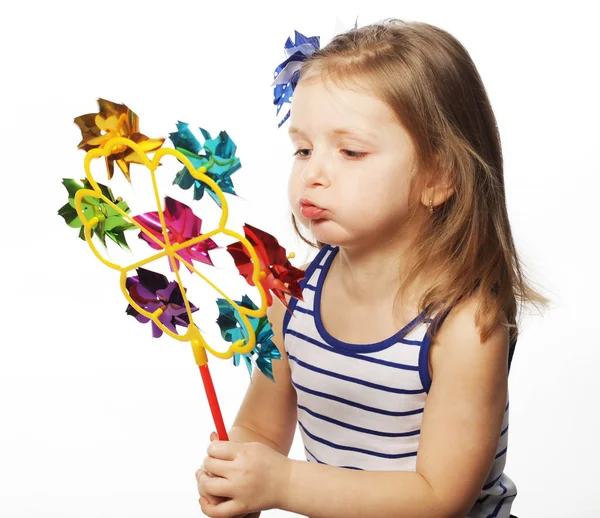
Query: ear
{"points": [[437, 190]]}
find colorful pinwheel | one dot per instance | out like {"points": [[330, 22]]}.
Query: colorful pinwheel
{"points": [[218, 159], [152, 291], [111, 222], [176, 232], [182, 225], [280, 276], [232, 329], [114, 120]]}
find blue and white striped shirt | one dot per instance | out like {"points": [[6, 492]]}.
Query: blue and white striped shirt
{"points": [[361, 406]]}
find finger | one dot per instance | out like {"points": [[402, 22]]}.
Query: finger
{"points": [[215, 486], [201, 471], [211, 498], [224, 450], [225, 509], [214, 500], [217, 467], [199, 474], [203, 468]]}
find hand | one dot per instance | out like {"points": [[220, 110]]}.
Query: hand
{"points": [[214, 500], [247, 476]]}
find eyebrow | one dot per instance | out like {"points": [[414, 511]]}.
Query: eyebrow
{"points": [[336, 131]]}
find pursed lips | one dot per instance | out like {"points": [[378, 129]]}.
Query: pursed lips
{"points": [[310, 210]]}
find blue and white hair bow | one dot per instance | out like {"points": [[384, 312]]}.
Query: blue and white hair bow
{"points": [[288, 72]]}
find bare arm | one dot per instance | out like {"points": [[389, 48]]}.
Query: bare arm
{"points": [[268, 412], [459, 435]]}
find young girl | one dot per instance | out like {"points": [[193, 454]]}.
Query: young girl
{"points": [[395, 364]]}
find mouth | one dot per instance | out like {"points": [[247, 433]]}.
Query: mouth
{"points": [[310, 210]]}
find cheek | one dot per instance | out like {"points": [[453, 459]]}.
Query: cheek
{"points": [[363, 195], [294, 192], [382, 195], [292, 188]]}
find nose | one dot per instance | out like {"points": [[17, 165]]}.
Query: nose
{"points": [[315, 172]]}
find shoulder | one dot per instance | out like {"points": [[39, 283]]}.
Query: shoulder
{"points": [[459, 342], [277, 311]]}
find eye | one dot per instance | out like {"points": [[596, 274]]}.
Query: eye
{"points": [[354, 154], [299, 152]]}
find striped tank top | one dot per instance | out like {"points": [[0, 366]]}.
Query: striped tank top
{"points": [[361, 406]]}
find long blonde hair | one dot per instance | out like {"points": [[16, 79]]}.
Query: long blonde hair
{"points": [[430, 82]]}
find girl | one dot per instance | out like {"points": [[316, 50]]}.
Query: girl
{"points": [[395, 364]]}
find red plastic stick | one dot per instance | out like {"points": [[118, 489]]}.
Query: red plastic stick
{"points": [[213, 402]]}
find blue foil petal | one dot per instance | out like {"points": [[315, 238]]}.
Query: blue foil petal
{"points": [[220, 151], [232, 329]]}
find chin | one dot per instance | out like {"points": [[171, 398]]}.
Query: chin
{"points": [[326, 232]]}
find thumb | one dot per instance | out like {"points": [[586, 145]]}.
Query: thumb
{"points": [[213, 436]]}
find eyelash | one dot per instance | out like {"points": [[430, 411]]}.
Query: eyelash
{"points": [[357, 154]]}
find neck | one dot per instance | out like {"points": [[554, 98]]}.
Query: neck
{"points": [[372, 275]]}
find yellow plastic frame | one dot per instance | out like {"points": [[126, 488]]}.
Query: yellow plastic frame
{"points": [[193, 334]]}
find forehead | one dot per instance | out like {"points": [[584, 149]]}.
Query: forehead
{"points": [[324, 104]]}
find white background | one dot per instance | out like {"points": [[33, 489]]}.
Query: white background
{"points": [[97, 419]]}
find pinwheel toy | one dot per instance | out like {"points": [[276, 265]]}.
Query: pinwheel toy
{"points": [[173, 232]]}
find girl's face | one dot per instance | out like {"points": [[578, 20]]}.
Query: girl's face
{"points": [[352, 166]]}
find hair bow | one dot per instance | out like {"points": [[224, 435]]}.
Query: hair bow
{"points": [[287, 73]]}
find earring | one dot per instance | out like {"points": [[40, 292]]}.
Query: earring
{"points": [[430, 206]]}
